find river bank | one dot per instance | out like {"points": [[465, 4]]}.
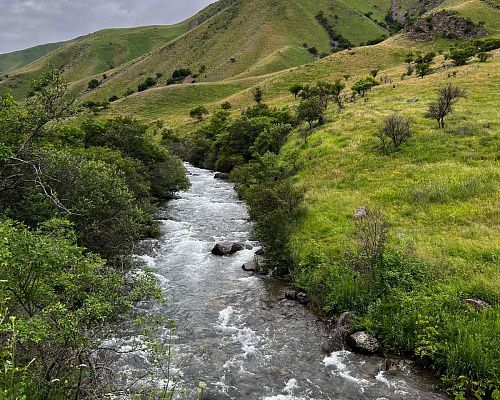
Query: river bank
{"points": [[242, 337]]}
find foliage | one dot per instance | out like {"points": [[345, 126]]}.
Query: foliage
{"points": [[364, 85], [395, 130], [258, 94], [198, 113], [448, 95], [310, 110], [93, 84], [149, 82], [460, 56]]}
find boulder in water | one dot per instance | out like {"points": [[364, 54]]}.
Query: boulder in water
{"points": [[226, 250], [363, 342], [250, 266], [222, 175], [260, 252], [294, 295]]}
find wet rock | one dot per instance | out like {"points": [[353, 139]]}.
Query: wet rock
{"points": [[259, 252], [293, 295], [235, 247], [226, 250], [477, 304], [222, 175], [360, 213], [250, 266], [248, 246], [363, 342]]}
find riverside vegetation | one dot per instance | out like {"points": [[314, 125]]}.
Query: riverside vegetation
{"points": [[75, 196], [371, 174]]}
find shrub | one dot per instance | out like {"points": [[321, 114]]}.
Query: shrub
{"points": [[364, 85], [258, 94], [448, 95], [226, 105], [395, 130], [483, 57], [198, 113], [371, 235], [93, 84], [310, 110], [148, 83], [295, 89], [461, 56]]}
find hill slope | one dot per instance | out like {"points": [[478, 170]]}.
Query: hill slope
{"points": [[18, 59], [95, 54]]}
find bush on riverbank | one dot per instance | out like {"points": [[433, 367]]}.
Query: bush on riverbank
{"points": [[73, 192]]}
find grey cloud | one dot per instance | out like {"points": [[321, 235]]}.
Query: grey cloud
{"points": [[25, 23]]}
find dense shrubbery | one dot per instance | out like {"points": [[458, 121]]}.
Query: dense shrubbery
{"points": [[72, 192]]}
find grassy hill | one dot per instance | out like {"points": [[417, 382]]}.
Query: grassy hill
{"points": [[18, 59], [232, 39], [94, 54]]}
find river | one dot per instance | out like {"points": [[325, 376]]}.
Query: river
{"points": [[255, 344]]}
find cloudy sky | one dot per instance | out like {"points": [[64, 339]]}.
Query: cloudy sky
{"points": [[25, 23]]}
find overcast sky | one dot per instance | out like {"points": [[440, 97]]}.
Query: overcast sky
{"points": [[26, 23]]}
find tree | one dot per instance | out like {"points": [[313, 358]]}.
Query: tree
{"points": [[396, 129], [461, 56], [423, 64], [295, 89], [448, 95], [226, 105], [310, 110], [364, 85], [336, 92], [423, 69], [258, 94], [93, 84], [198, 113]]}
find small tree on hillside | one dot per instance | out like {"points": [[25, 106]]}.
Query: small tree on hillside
{"points": [[258, 94], [198, 113], [226, 105], [395, 130], [448, 96], [295, 89], [461, 56], [423, 64], [310, 110], [364, 85], [93, 84], [336, 92]]}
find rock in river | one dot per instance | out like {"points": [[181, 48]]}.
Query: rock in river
{"points": [[226, 250], [363, 342], [222, 175]]}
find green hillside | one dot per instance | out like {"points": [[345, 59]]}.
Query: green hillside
{"points": [[95, 54], [18, 59], [250, 38]]}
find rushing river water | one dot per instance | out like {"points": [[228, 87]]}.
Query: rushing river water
{"points": [[256, 345]]}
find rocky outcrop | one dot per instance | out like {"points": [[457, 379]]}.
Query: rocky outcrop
{"points": [[363, 342], [477, 304], [227, 250], [445, 23]]}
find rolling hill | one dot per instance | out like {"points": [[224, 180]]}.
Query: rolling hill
{"points": [[18, 59], [230, 39]]}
